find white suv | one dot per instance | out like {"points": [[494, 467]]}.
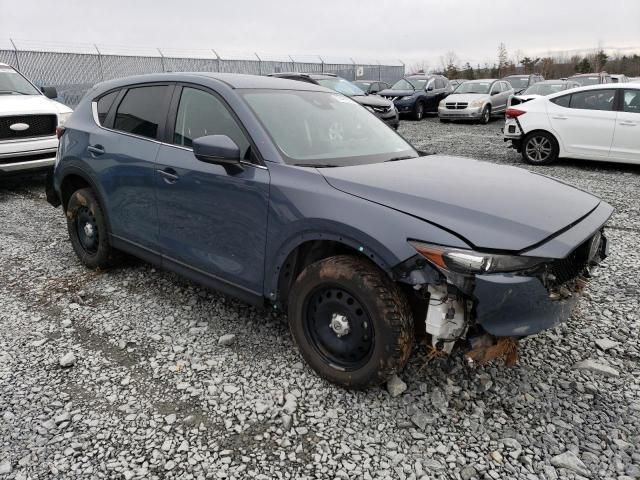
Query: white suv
{"points": [[599, 122], [28, 123]]}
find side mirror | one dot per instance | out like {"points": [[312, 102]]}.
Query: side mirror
{"points": [[49, 92], [494, 93], [430, 88], [218, 149]]}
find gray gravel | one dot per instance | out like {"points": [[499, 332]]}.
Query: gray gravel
{"points": [[151, 390]]}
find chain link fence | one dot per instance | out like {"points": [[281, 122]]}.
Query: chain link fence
{"points": [[73, 70]]}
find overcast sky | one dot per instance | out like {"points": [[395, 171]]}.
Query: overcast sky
{"points": [[410, 30]]}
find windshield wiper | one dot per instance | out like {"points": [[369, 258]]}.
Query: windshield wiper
{"points": [[395, 159], [11, 92], [315, 165]]}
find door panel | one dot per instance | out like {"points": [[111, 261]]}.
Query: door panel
{"points": [[211, 218], [626, 138], [586, 127]]}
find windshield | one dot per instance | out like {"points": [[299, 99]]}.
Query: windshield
{"points": [[518, 82], [409, 84], [544, 88], [324, 129], [341, 85], [12, 83], [473, 87], [584, 81]]}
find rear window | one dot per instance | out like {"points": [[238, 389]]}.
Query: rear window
{"points": [[104, 105], [141, 111]]}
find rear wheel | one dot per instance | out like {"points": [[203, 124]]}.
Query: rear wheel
{"points": [[418, 111], [539, 148], [87, 229], [351, 323]]}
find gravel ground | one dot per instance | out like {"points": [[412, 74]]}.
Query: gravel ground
{"points": [[150, 390]]}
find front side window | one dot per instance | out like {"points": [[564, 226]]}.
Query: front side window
{"points": [[631, 101], [12, 83], [141, 111], [201, 114], [329, 129], [593, 100], [439, 83], [104, 105]]}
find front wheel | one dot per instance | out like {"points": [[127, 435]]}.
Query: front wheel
{"points": [[539, 148], [351, 323], [418, 111], [486, 115]]}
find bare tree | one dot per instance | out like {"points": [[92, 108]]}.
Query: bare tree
{"points": [[421, 66], [503, 59]]}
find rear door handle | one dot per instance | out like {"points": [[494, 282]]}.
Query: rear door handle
{"points": [[96, 149], [169, 175], [559, 117]]}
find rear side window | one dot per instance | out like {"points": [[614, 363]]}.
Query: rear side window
{"points": [[593, 100], [562, 101], [141, 111], [104, 105], [201, 114]]}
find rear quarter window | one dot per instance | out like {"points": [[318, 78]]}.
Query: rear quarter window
{"points": [[562, 101], [104, 104], [142, 111]]}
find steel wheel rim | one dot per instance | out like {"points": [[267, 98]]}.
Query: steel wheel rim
{"points": [[353, 349], [539, 148], [419, 111], [485, 116], [87, 230]]}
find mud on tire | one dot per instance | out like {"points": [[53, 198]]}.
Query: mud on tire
{"points": [[87, 229], [373, 308]]}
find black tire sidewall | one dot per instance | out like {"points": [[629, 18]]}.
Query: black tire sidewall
{"points": [[392, 344], [418, 113], [85, 197], [486, 115], [554, 148]]}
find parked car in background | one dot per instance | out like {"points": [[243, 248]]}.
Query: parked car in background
{"points": [[634, 80], [599, 122], [28, 121], [585, 79], [541, 89], [619, 78], [521, 82], [273, 191], [416, 95], [476, 100], [372, 87], [384, 109], [454, 83]]}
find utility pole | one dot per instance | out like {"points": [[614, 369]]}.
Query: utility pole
{"points": [[15, 52]]}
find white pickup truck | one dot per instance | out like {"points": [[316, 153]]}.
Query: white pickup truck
{"points": [[28, 123]]}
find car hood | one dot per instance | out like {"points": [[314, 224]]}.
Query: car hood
{"points": [[30, 104], [372, 101], [489, 206], [395, 94], [467, 97]]}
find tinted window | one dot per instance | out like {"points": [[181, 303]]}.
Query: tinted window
{"points": [[593, 100], [631, 102], [497, 87], [141, 111], [439, 83], [201, 114], [563, 101], [104, 104]]}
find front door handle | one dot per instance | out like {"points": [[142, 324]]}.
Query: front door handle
{"points": [[96, 149], [559, 117], [169, 175], [628, 123]]}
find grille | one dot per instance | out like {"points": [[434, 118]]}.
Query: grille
{"points": [[27, 158], [456, 105], [39, 126], [567, 269]]}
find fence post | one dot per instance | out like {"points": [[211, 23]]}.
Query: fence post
{"points": [[161, 60], [293, 63], [321, 64], [259, 63], [15, 52], [99, 62], [217, 58], [355, 72]]}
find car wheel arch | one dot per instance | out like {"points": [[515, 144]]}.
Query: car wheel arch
{"points": [[542, 130], [74, 179], [310, 248]]}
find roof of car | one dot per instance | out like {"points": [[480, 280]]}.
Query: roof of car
{"points": [[594, 74], [559, 80], [304, 75], [482, 80], [421, 77], [233, 80], [520, 76]]}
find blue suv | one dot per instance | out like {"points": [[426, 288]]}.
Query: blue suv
{"points": [[289, 195]]}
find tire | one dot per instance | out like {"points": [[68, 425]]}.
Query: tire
{"points": [[418, 111], [87, 229], [486, 115], [353, 355], [540, 148]]}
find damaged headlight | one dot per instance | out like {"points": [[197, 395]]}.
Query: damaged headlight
{"points": [[472, 262]]}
